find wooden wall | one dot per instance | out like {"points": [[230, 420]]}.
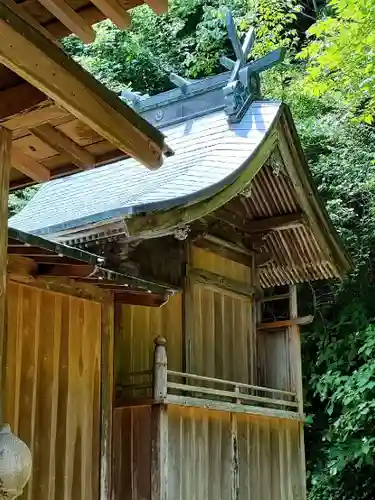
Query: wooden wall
{"points": [[274, 360], [218, 455], [132, 453], [203, 259], [52, 390], [220, 339], [212, 455], [135, 330]]}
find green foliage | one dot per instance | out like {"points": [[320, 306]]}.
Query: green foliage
{"points": [[339, 351], [19, 199], [188, 40], [341, 55]]}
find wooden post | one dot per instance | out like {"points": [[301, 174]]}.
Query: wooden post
{"points": [[159, 426], [5, 152], [106, 397], [160, 370], [295, 347], [159, 452]]}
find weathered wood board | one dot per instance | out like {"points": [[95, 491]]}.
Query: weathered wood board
{"points": [[219, 325], [132, 453], [52, 390], [217, 455], [135, 330]]}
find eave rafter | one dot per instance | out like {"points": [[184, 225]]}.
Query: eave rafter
{"points": [[59, 17], [53, 87]]}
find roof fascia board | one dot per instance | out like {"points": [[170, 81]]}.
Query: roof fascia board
{"points": [[152, 225]]}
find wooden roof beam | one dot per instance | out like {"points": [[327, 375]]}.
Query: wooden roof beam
{"points": [[69, 17], [114, 11], [28, 251], [19, 99], [63, 144], [28, 166], [18, 9], [158, 6], [275, 223], [71, 271], [29, 54]]}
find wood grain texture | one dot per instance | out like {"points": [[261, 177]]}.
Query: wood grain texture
{"points": [[5, 152], [132, 453], [106, 398], [217, 455], [136, 328], [52, 390], [217, 264], [219, 341]]}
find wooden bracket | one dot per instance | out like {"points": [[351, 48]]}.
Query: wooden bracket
{"points": [[304, 320]]}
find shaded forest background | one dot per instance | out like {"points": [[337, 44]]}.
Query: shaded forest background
{"points": [[328, 79]]}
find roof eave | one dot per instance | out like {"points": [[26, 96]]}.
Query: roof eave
{"points": [[317, 213]]}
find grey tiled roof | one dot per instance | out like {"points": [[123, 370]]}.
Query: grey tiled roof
{"points": [[209, 153]]}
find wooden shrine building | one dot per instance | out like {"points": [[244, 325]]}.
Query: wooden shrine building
{"points": [[208, 400]]}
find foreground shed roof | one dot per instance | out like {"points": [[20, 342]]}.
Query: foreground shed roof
{"points": [[61, 119]]}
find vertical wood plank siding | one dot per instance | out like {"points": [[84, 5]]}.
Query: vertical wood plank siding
{"points": [[275, 363], [132, 453], [219, 327], [135, 330], [201, 450], [52, 390]]}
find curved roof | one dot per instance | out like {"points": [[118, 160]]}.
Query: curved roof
{"points": [[210, 154]]}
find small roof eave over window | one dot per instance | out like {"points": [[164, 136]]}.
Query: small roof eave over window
{"points": [[34, 260]]}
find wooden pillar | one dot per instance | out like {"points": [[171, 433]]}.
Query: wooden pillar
{"points": [[5, 152], [296, 363], [159, 425], [106, 397], [160, 370]]}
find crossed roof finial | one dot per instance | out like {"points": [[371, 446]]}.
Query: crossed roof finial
{"points": [[243, 86], [241, 51]]}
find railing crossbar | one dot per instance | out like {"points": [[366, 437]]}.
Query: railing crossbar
{"points": [[235, 395], [230, 382]]}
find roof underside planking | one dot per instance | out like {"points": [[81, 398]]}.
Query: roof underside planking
{"points": [[57, 18], [61, 118]]}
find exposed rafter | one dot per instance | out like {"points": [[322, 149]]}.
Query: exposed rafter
{"points": [[61, 143], [33, 57], [30, 167], [114, 11], [69, 17], [276, 223]]}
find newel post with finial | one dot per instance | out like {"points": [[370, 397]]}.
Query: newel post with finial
{"points": [[160, 370]]}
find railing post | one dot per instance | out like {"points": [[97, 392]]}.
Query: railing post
{"points": [[160, 370]]}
